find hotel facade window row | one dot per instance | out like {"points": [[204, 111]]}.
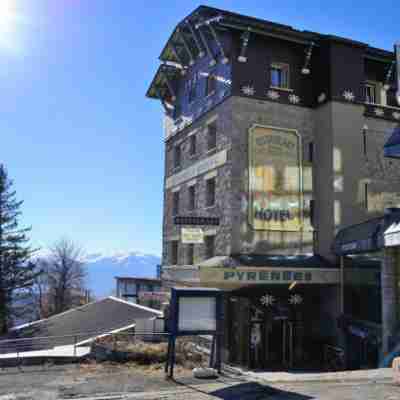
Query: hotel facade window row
{"points": [[277, 136]]}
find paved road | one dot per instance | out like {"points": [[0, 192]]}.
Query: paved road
{"points": [[125, 384]]}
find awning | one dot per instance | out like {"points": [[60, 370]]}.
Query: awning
{"points": [[392, 235], [392, 146], [360, 238]]}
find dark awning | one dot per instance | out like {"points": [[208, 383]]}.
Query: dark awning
{"points": [[368, 236], [392, 146], [358, 238]]}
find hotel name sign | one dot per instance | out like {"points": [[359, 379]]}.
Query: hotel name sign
{"points": [[199, 168], [275, 184], [271, 275]]}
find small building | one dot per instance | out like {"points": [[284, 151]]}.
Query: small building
{"points": [[70, 333], [146, 291], [273, 142]]}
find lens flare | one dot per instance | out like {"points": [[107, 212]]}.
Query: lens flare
{"points": [[9, 20]]}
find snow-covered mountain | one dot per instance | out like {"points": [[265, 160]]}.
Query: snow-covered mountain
{"points": [[102, 268]]}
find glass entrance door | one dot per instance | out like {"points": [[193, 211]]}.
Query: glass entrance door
{"points": [[273, 344]]}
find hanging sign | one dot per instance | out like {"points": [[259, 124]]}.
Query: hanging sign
{"points": [[275, 180], [192, 235]]}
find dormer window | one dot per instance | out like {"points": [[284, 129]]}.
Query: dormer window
{"points": [[280, 75], [374, 93], [370, 93]]}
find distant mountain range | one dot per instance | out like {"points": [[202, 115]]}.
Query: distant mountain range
{"points": [[102, 268]]}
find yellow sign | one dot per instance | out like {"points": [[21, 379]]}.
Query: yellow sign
{"points": [[192, 235], [275, 180], [271, 275]]}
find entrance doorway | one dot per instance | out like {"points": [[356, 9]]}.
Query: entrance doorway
{"points": [[275, 344], [274, 328]]}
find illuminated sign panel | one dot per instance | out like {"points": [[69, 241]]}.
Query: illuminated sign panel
{"points": [[275, 179]]}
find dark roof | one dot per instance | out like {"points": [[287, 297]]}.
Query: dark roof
{"points": [[81, 323], [296, 261], [174, 51]]}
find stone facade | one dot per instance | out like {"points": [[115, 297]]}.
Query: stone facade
{"points": [[339, 170]]}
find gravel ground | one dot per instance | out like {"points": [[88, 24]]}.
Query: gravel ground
{"points": [[120, 383]]}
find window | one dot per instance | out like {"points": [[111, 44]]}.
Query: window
{"points": [[280, 75], [366, 195], [174, 252], [210, 84], [364, 135], [177, 156], [175, 203], [212, 135], [209, 242], [192, 197], [310, 152], [190, 254], [210, 192], [192, 88], [370, 93], [192, 145]]}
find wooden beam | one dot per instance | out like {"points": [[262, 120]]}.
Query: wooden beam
{"points": [[161, 98], [207, 47], [180, 61], [219, 44], [196, 39], [186, 46], [170, 87]]}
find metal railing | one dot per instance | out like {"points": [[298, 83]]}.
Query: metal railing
{"points": [[69, 348]]}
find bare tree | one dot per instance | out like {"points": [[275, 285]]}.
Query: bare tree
{"points": [[66, 275]]}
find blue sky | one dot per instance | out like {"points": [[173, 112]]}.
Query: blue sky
{"points": [[82, 143]]}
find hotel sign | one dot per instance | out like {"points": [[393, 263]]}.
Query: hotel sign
{"points": [[275, 180], [192, 235], [269, 275], [199, 168]]}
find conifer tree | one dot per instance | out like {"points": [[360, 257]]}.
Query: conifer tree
{"points": [[17, 272]]}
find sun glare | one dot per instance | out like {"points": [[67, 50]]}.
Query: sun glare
{"points": [[8, 23]]}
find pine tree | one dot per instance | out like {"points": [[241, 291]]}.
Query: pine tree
{"points": [[17, 272]]}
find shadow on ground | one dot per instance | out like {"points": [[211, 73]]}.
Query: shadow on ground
{"points": [[246, 390]]}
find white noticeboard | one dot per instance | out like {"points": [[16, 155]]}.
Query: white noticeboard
{"points": [[192, 235], [197, 314]]}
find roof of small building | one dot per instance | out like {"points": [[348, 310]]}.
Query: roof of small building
{"points": [[138, 279], [81, 324]]}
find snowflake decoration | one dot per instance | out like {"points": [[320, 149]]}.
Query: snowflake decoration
{"points": [[348, 95], [294, 99], [321, 98], [396, 115], [273, 95], [267, 300], [248, 90], [295, 299], [379, 112]]}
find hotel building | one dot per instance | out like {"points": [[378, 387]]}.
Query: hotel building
{"points": [[276, 186]]}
